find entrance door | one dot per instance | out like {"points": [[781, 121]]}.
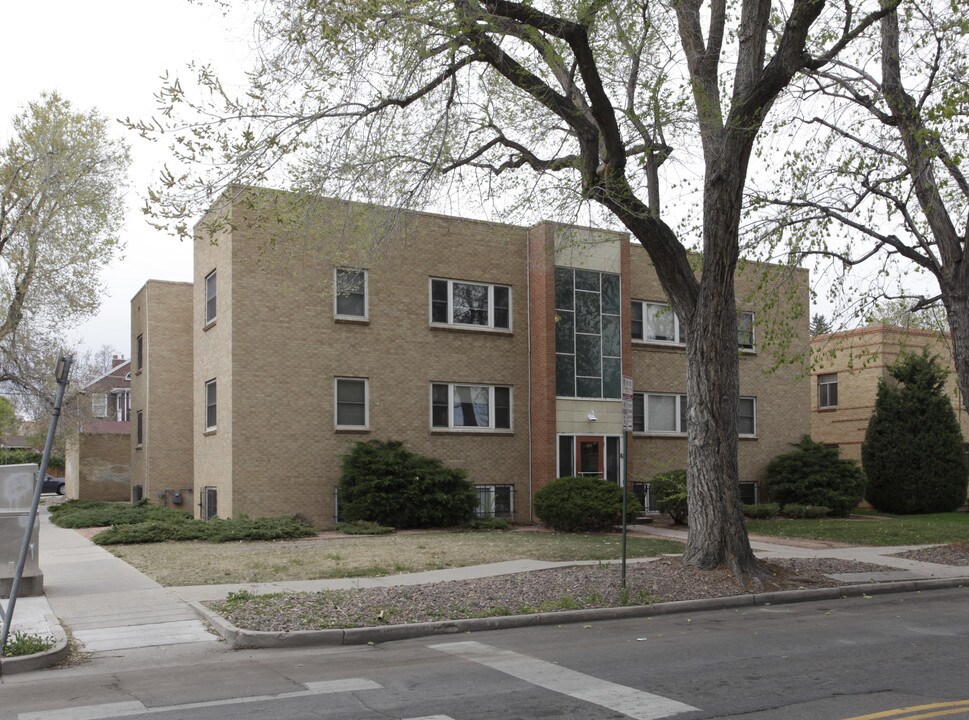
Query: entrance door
{"points": [[589, 456]]}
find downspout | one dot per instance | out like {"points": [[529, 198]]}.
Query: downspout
{"points": [[531, 437]]}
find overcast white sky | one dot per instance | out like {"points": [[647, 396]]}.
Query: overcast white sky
{"points": [[109, 54]]}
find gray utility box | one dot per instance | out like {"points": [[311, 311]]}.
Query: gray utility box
{"points": [[16, 496]]}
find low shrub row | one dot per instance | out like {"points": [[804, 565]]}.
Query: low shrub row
{"points": [[217, 530], [97, 513], [763, 511]]}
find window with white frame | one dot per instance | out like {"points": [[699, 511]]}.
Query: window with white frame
{"points": [[210, 297], [211, 414], [495, 501], [747, 417], [464, 407], [99, 405], [656, 323], [481, 305], [745, 330], [659, 413], [351, 403], [828, 390], [122, 405], [350, 293]]}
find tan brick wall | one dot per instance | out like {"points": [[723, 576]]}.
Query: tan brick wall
{"points": [[861, 358], [287, 349], [214, 458], [103, 463], [779, 299], [161, 312]]}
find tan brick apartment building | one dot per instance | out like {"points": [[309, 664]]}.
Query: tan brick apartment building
{"points": [[496, 348], [847, 368]]}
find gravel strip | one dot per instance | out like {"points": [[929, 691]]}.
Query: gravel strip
{"points": [[572, 588], [955, 554]]}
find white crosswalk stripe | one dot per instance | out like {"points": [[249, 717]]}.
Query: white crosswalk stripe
{"points": [[634, 703], [134, 708]]}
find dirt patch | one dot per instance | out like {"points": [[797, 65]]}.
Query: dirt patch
{"points": [[956, 554]]}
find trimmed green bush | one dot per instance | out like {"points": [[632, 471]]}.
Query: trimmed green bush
{"points": [[217, 530], [95, 513], [669, 489], [387, 484], [23, 456], [812, 512], [813, 474], [913, 449], [363, 527], [487, 523], [762, 511], [579, 504]]}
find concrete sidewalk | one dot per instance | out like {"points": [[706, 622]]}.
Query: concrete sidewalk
{"points": [[110, 606], [106, 603]]}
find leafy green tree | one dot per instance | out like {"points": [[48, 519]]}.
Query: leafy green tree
{"points": [[876, 180], [8, 417], [570, 105], [913, 450], [385, 483], [62, 177], [815, 475]]}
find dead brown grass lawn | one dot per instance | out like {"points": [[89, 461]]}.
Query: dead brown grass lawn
{"points": [[328, 556]]}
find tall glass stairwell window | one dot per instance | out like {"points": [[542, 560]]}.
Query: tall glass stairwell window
{"points": [[588, 334]]}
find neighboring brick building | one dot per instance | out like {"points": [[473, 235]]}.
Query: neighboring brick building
{"points": [[161, 441], [847, 368], [98, 458], [496, 348]]}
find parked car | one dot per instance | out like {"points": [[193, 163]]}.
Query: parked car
{"points": [[53, 485]]}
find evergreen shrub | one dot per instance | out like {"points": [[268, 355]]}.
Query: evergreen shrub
{"points": [[385, 483], [806, 512], [913, 449], [579, 504], [762, 511], [813, 474]]}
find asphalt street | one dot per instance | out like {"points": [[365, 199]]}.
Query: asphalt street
{"points": [[897, 657]]}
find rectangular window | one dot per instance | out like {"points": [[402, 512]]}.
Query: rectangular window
{"points": [[483, 407], [745, 330], [659, 413], [351, 403], [350, 293], [656, 323], [495, 501], [139, 429], [747, 417], [210, 297], [210, 405], [99, 405], [566, 456], [481, 305], [828, 390], [140, 351]]}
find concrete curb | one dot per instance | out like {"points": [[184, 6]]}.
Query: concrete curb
{"points": [[41, 660], [240, 638]]}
